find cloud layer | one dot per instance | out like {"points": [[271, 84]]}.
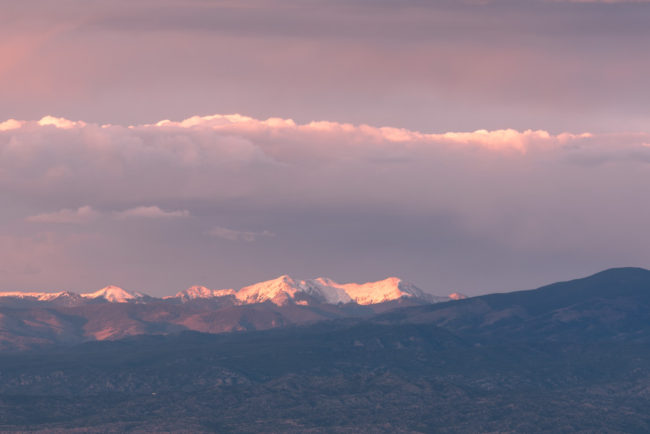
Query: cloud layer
{"points": [[150, 212], [82, 214], [235, 235], [464, 211]]}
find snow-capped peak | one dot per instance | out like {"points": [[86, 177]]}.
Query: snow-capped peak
{"points": [[194, 292], [391, 288], [326, 290], [285, 289], [113, 294], [278, 291]]}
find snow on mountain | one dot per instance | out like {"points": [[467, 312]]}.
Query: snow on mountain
{"points": [[380, 291], [36, 295], [285, 289], [62, 298], [391, 288], [113, 294], [197, 292], [40, 296], [327, 290], [457, 296], [280, 291]]}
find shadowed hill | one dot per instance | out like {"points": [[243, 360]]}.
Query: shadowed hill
{"points": [[611, 304]]}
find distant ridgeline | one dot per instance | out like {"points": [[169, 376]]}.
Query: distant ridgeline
{"points": [[33, 319]]}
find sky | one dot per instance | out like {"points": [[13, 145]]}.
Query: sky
{"points": [[465, 146]]}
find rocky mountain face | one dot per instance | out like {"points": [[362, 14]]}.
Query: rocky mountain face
{"points": [[568, 357], [30, 320]]}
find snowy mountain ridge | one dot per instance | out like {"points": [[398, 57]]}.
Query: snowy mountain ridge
{"points": [[284, 289], [109, 293], [279, 291]]}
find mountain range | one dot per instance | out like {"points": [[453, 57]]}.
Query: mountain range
{"points": [[36, 319], [280, 291], [567, 357]]}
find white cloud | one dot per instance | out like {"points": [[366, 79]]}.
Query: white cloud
{"points": [[85, 214], [235, 235], [10, 124], [80, 215], [497, 140], [60, 122], [151, 212]]}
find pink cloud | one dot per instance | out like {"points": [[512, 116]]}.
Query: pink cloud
{"points": [[228, 157], [235, 235], [60, 122], [83, 214], [10, 124], [151, 212], [273, 128]]}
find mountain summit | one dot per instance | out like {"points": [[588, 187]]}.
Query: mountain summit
{"points": [[285, 289], [114, 294], [198, 292]]}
